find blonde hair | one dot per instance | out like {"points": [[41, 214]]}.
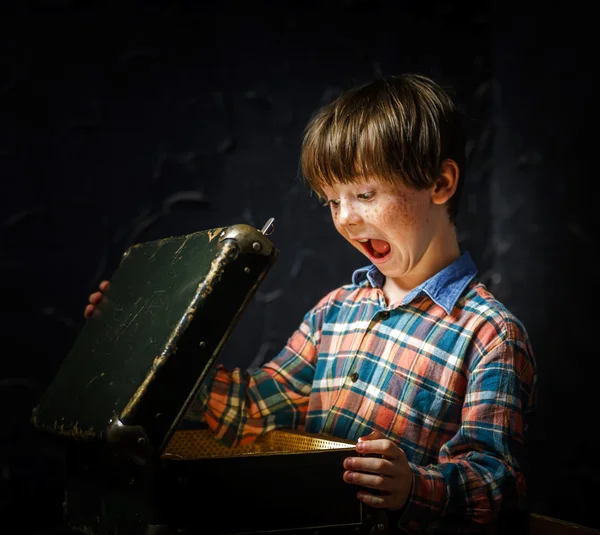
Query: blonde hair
{"points": [[395, 128]]}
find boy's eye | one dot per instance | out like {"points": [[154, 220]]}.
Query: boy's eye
{"points": [[333, 202], [366, 196]]}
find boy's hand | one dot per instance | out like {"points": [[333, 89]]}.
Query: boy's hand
{"points": [[390, 475], [94, 299]]}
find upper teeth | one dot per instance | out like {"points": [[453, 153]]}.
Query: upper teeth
{"points": [[363, 241]]}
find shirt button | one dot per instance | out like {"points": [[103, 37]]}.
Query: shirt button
{"points": [[384, 314], [354, 377]]}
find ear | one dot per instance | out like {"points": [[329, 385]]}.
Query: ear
{"points": [[446, 183]]}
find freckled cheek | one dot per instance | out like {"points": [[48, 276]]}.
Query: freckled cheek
{"points": [[398, 214], [393, 219], [373, 215], [381, 216]]}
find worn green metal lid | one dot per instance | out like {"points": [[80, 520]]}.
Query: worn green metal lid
{"points": [[137, 363]]}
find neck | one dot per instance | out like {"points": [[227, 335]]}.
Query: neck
{"points": [[440, 253]]}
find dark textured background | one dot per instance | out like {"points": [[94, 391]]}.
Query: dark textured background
{"points": [[129, 123]]}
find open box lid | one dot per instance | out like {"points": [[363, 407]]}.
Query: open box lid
{"points": [[137, 364]]}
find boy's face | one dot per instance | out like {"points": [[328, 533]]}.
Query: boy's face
{"points": [[391, 224]]}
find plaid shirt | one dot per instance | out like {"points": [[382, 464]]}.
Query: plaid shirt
{"points": [[448, 375]]}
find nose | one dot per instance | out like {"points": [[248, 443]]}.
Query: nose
{"points": [[347, 214]]}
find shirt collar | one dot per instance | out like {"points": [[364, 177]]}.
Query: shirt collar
{"points": [[444, 288]]}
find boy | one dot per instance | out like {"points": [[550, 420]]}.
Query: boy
{"points": [[414, 359]]}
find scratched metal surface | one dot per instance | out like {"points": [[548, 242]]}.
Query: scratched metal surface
{"points": [[153, 298]]}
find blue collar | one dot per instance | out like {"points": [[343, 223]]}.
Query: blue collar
{"points": [[444, 288]]}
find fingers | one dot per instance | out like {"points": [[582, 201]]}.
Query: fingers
{"points": [[383, 501], [95, 298], [374, 473], [380, 446], [371, 481], [375, 465], [383, 472]]}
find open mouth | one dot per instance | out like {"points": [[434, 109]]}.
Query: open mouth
{"points": [[376, 249]]}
